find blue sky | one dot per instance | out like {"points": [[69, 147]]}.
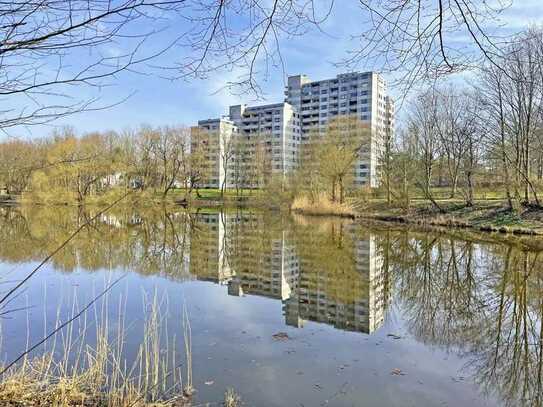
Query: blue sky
{"points": [[157, 101]]}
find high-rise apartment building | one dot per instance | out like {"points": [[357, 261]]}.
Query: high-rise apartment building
{"points": [[232, 145], [277, 130], [360, 95], [211, 139]]}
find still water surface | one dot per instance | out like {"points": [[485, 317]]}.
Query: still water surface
{"points": [[291, 311]]}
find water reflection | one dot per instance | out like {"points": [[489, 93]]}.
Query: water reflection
{"points": [[479, 299], [333, 274], [484, 301]]}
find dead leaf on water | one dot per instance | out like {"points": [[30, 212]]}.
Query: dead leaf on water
{"points": [[281, 336], [394, 336]]}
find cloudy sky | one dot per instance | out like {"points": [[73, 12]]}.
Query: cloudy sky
{"points": [[158, 101]]}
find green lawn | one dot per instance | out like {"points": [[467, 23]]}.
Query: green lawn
{"points": [[214, 194]]}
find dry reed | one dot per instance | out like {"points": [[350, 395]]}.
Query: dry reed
{"points": [[321, 206]]}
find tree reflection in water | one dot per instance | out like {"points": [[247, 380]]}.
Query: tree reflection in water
{"points": [[483, 300], [469, 294]]}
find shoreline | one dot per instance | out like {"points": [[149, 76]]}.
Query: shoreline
{"points": [[488, 216], [449, 223]]}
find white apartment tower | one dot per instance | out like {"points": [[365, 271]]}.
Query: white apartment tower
{"points": [[211, 137], [274, 127], [282, 127], [363, 95], [277, 125]]}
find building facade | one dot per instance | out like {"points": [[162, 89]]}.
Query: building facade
{"points": [[277, 128], [272, 135], [251, 143], [211, 140], [360, 94]]}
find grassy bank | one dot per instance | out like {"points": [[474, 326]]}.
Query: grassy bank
{"points": [[490, 215], [200, 198]]}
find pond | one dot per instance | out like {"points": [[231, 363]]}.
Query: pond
{"points": [[286, 310]]}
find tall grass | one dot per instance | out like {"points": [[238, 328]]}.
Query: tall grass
{"points": [[74, 371], [321, 205]]}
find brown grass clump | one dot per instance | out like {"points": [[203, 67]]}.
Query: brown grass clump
{"points": [[321, 206], [83, 375], [231, 399]]}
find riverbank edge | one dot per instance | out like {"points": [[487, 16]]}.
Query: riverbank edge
{"points": [[451, 223], [420, 215], [486, 216]]}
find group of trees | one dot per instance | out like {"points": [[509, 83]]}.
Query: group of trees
{"points": [[328, 159], [489, 132], [66, 167], [458, 136]]}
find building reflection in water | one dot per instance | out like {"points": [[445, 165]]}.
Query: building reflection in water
{"points": [[477, 296], [347, 290]]}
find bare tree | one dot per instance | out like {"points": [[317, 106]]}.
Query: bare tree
{"points": [[423, 126], [420, 39], [50, 47], [329, 158], [493, 114], [513, 102], [459, 138], [172, 149]]}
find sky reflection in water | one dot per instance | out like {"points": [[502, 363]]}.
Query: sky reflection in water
{"points": [[373, 316]]}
